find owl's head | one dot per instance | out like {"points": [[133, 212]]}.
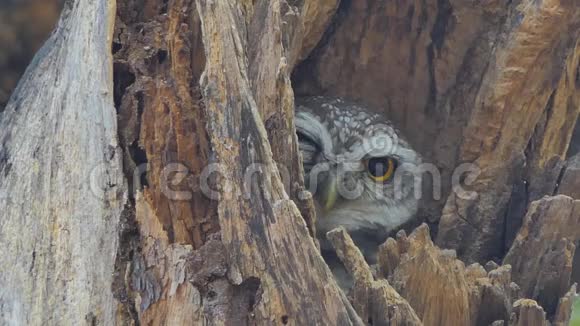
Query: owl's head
{"points": [[358, 167]]}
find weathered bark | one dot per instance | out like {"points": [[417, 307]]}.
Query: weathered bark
{"points": [[542, 253], [272, 272], [204, 85], [517, 114], [61, 183], [282, 256]]}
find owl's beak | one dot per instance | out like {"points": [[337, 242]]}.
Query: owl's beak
{"points": [[330, 192]]}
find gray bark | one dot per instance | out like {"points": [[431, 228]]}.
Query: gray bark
{"points": [[61, 183]]}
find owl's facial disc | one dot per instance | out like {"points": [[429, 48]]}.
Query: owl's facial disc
{"points": [[352, 161]]}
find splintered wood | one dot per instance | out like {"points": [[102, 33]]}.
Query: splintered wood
{"points": [[427, 285], [376, 301], [543, 250]]}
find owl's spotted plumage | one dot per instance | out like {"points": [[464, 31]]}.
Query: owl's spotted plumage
{"points": [[359, 169]]}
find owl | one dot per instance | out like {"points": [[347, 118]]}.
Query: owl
{"points": [[361, 172]]}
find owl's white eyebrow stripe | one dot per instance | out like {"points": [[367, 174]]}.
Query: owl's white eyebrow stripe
{"points": [[308, 124], [400, 153]]}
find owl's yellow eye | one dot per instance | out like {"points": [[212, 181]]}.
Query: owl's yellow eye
{"points": [[381, 169]]}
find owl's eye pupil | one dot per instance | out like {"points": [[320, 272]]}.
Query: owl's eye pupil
{"points": [[381, 168], [378, 166]]}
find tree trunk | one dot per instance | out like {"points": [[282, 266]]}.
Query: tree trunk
{"points": [[187, 206], [62, 188]]}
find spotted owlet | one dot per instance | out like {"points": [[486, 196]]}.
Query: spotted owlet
{"points": [[357, 166]]}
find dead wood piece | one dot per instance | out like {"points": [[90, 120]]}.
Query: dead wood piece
{"points": [[493, 296], [186, 72], [264, 234], [423, 271], [491, 265], [159, 273], [272, 43], [61, 185], [565, 306], [496, 137], [546, 150], [158, 61], [528, 313], [440, 288], [388, 257], [375, 301], [542, 253]]}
